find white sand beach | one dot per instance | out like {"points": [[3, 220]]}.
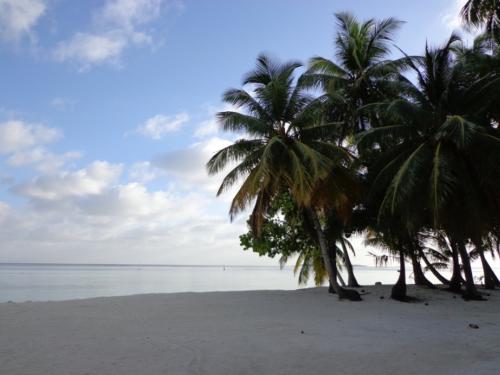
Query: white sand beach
{"points": [[264, 332]]}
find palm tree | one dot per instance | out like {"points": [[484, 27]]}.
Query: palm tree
{"points": [[483, 13], [310, 261], [383, 238], [287, 232], [490, 280], [337, 237], [415, 254], [360, 75], [434, 246], [443, 171], [283, 153]]}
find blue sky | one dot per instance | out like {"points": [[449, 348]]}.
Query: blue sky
{"points": [[107, 116]]}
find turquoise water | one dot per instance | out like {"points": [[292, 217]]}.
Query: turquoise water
{"points": [[42, 282]]}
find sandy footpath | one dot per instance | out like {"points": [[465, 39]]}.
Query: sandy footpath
{"points": [[262, 332]]}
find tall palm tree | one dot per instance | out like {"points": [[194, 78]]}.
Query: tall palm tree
{"points": [[282, 152], [360, 74], [443, 171]]}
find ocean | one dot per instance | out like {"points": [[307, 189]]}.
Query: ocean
{"points": [[44, 282]]}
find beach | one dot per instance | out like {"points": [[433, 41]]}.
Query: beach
{"points": [[252, 332]]}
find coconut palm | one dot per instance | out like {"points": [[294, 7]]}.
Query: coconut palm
{"points": [[483, 13], [443, 171], [360, 74], [282, 152], [337, 237], [436, 253], [397, 249]]}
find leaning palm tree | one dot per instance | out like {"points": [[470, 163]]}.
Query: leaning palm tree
{"points": [[337, 237], [360, 73], [435, 251], [282, 152], [443, 172]]}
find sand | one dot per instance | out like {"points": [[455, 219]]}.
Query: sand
{"points": [[261, 332]]}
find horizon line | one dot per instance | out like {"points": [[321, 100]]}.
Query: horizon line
{"points": [[143, 265]]}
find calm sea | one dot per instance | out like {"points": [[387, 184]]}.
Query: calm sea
{"points": [[42, 282]]}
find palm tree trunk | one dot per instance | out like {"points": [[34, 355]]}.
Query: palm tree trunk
{"points": [[490, 279], [455, 285], [418, 274], [471, 291], [332, 251], [399, 289], [341, 279], [433, 269], [330, 260], [330, 288], [351, 279]]}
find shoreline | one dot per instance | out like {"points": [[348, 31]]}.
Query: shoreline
{"points": [[305, 331], [385, 289]]}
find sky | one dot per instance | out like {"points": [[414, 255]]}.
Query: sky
{"points": [[107, 117]]}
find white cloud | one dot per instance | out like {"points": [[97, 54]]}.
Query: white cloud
{"points": [[124, 224], [24, 144], [451, 18], [18, 17], [87, 181], [91, 49], [17, 136], [143, 171], [133, 200], [157, 126], [210, 126], [128, 14], [188, 165], [87, 216], [116, 26], [43, 160], [4, 209], [98, 214], [207, 128]]}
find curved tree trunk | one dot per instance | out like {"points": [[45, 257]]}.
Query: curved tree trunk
{"points": [[418, 274], [332, 252], [471, 291], [433, 269], [490, 279], [351, 279], [455, 284], [333, 263], [399, 289], [341, 279], [329, 259]]}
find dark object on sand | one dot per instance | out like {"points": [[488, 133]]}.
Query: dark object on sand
{"points": [[301, 332], [426, 304], [473, 326], [382, 297]]}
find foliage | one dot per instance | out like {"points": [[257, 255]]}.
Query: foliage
{"points": [[403, 151]]}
